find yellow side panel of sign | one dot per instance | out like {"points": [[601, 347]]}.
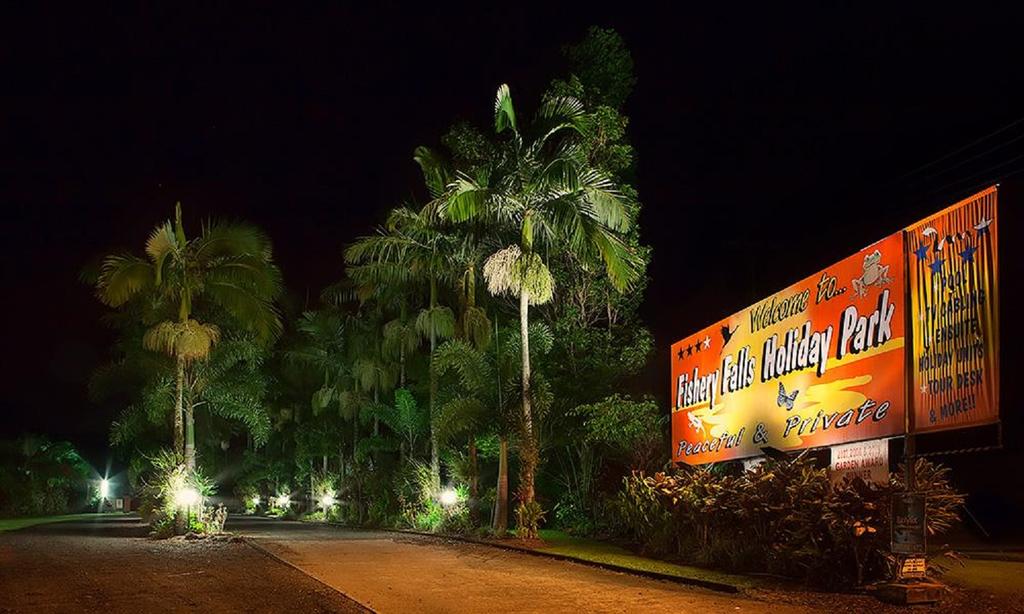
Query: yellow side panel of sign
{"points": [[952, 275]]}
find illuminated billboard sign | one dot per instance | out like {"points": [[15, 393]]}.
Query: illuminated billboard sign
{"points": [[817, 364], [825, 361]]}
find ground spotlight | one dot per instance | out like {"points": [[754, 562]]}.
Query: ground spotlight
{"points": [[449, 497], [186, 497], [104, 488], [327, 501]]}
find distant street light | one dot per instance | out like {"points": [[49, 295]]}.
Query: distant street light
{"points": [[104, 488]]}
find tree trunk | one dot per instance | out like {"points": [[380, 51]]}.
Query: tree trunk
{"points": [[435, 460], [474, 484], [179, 411], [376, 431], [401, 345], [190, 436], [501, 497], [528, 451], [312, 493]]}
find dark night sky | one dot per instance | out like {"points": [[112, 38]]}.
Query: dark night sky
{"points": [[770, 145]]}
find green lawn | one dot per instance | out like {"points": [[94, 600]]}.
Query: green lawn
{"points": [[562, 543], [998, 577], [13, 524]]}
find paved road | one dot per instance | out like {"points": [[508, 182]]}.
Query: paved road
{"points": [[108, 565], [391, 572]]}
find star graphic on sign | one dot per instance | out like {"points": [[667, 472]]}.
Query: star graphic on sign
{"points": [[982, 226], [697, 346], [707, 342], [921, 252], [936, 266], [689, 351], [679, 355], [968, 253], [924, 388]]}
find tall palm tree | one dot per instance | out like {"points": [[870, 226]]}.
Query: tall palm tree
{"points": [[544, 192], [229, 267], [412, 248]]}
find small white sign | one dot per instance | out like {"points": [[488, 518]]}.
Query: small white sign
{"points": [[749, 464], [868, 460], [914, 567]]}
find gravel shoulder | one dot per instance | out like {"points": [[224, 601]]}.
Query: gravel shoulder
{"points": [[108, 565]]}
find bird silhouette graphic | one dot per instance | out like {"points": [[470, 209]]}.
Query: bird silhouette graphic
{"points": [[727, 334]]}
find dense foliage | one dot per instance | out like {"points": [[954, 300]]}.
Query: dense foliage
{"points": [[41, 477], [783, 517]]}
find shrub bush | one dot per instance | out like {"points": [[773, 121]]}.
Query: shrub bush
{"points": [[782, 517]]}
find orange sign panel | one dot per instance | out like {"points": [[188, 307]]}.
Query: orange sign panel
{"points": [[819, 363], [952, 279]]}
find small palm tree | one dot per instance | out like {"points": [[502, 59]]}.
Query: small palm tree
{"points": [[546, 194], [229, 266]]}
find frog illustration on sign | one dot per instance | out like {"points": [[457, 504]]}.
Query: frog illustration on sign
{"points": [[875, 274]]}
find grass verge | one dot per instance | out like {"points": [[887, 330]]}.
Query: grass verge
{"points": [[558, 542], [13, 524]]}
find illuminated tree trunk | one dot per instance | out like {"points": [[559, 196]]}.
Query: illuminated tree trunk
{"points": [[528, 452], [501, 498], [435, 460], [190, 436], [179, 410]]}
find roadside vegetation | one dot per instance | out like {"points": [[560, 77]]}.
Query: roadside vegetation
{"points": [[40, 477]]}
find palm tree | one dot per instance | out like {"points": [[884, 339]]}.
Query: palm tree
{"points": [[229, 266], [546, 194], [411, 248]]}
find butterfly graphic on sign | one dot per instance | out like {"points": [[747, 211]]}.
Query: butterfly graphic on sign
{"points": [[696, 423], [786, 400]]}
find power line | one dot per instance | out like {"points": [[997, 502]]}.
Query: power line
{"points": [[984, 184], [964, 148], [978, 174], [972, 158]]}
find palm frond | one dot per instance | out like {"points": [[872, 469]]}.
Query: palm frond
{"points": [[161, 244], [623, 265], [465, 199], [122, 277], [440, 320], [250, 310], [436, 170], [458, 415], [504, 111], [475, 375], [231, 239]]}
